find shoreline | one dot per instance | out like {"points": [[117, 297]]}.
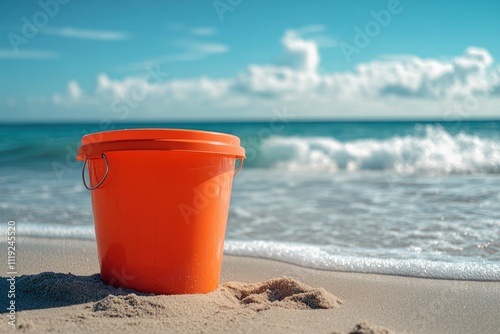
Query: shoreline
{"points": [[402, 304], [293, 254]]}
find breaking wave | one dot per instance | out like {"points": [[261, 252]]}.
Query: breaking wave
{"points": [[434, 151]]}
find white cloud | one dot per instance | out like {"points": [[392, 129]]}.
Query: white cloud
{"points": [[28, 54], [74, 90], [406, 77], [204, 48], [98, 35], [118, 89], [203, 31], [403, 86], [417, 77], [300, 54], [210, 48], [317, 34], [196, 31]]}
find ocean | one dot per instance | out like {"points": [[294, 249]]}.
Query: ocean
{"points": [[405, 198]]}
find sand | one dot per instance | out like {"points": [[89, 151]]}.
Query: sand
{"points": [[58, 290]]}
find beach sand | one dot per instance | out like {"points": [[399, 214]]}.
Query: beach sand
{"points": [[61, 292]]}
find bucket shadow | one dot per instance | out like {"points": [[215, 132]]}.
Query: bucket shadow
{"points": [[50, 289]]}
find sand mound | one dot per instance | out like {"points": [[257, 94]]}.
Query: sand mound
{"points": [[127, 306], [230, 304], [282, 292], [51, 289]]}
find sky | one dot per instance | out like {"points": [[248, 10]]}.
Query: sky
{"points": [[74, 60]]}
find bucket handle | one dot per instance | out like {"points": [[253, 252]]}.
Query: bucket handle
{"points": [[239, 167], [103, 178], [107, 170]]}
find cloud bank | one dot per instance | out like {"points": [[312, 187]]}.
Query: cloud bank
{"points": [[396, 86]]}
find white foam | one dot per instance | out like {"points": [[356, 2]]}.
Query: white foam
{"points": [[433, 151], [317, 258], [306, 255]]}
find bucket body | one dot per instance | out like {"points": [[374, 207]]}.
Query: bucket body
{"points": [[160, 216]]}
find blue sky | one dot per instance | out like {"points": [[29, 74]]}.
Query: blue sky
{"points": [[89, 60]]}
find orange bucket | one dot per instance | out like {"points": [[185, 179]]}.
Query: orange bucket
{"points": [[160, 199]]}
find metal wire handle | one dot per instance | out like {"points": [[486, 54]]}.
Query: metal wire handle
{"points": [[103, 178], [107, 170], [239, 167]]}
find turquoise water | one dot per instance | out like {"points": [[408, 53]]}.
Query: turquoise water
{"points": [[412, 198]]}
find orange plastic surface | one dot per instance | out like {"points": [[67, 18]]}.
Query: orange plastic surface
{"points": [[160, 218], [93, 145]]}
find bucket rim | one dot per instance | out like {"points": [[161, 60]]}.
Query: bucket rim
{"points": [[169, 139]]}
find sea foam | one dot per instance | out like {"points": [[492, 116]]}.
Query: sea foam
{"points": [[317, 258], [432, 151], [309, 256]]}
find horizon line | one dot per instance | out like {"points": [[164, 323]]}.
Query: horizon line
{"points": [[295, 120]]}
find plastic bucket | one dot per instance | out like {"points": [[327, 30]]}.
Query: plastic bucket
{"points": [[160, 199]]}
